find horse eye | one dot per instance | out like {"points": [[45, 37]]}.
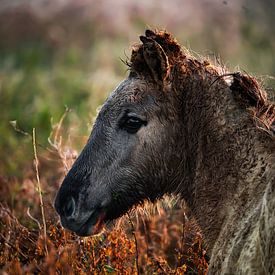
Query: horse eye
{"points": [[132, 124]]}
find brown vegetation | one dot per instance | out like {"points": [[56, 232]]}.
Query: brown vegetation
{"points": [[161, 243]]}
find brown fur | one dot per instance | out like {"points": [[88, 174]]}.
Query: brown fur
{"points": [[245, 88], [228, 155], [181, 125]]}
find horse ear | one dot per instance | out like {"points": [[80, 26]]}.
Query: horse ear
{"points": [[155, 58], [150, 33]]}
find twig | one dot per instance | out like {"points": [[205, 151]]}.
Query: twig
{"points": [[183, 235], [33, 218], [55, 140], [15, 127], [39, 190], [159, 266], [136, 244], [57, 132]]}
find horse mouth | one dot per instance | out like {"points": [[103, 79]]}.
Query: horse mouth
{"points": [[93, 225]]}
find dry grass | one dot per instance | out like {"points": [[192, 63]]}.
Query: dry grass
{"points": [[159, 240]]}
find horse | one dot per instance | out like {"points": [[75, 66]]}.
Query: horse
{"points": [[181, 125]]}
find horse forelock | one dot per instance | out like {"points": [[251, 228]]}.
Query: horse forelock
{"points": [[246, 89], [168, 43]]}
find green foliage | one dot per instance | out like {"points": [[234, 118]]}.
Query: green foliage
{"points": [[36, 88]]}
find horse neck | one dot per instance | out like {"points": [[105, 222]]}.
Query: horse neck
{"points": [[220, 144]]}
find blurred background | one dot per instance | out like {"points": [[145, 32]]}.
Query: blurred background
{"points": [[65, 54]]}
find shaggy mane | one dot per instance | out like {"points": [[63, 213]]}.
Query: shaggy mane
{"points": [[245, 88]]}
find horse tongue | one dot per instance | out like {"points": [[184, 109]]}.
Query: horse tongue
{"points": [[99, 224]]}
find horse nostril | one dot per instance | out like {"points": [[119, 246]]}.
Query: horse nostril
{"points": [[69, 208]]}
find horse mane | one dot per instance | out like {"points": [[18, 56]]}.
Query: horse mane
{"points": [[246, 89]]}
